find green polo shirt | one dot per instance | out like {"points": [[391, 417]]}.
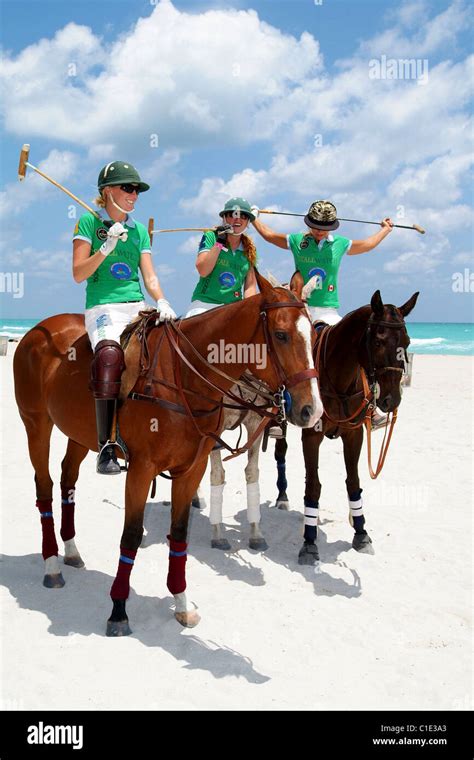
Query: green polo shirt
{"points": [[225, 283], [116, 279], [324, 262]]}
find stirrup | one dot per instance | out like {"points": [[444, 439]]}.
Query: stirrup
{"points": [[378, 421], [107, 463], [276, 432]]}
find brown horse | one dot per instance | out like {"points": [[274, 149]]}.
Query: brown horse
{"points": [[372, 338], [52, 368]]}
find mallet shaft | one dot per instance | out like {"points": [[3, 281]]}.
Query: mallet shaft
{"points": [[68, 192], [415, 227]]}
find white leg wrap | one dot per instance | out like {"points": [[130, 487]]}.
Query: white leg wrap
{"points": [[51, 566], [253, 502], [217, 495], [356, 508], [70, 548], [181, 603], [311, 516]]}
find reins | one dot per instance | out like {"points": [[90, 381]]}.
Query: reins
{"points": [[369, 389]]}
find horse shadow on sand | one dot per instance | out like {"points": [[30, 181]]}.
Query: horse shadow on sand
{"points": [[283, 532], [83, 605]]}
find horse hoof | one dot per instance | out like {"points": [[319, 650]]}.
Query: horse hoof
{"points": [[258, 544], [187, 619], [118, 628], [54, 581], [74, 561], [220, 543], [308, 555], [282, 501], [195, 502], [362, 543]]}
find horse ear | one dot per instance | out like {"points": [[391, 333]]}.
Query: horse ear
{"points": [[296, 284], [377, 304], [410, 304], [263, 285]]}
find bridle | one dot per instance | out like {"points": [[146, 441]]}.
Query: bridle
{"points": [[176, 339], [369, 377]]}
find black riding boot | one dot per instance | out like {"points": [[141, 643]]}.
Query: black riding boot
{"points": [[107, 463]]}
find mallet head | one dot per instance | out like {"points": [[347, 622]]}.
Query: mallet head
{"points": [[151, 227], [24, 156]]}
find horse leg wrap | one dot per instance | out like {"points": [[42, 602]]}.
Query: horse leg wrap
{"points": [[50, 545], [121, 585], [311, 512], [282, 483], [217, 496], [67, 512], [253, 502], [356, 511], [176, 580]]}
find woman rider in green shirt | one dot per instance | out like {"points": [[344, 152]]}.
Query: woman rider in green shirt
{"points": [[318, 252], [226, 260], [108, 256]]}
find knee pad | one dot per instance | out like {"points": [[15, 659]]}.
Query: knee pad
{"points": [[106, 372]]}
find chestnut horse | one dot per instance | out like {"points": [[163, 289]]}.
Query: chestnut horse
{"points": [[374, 339], [171, 428]]}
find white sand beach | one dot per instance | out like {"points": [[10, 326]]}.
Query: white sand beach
{"points": [[389, 631]]}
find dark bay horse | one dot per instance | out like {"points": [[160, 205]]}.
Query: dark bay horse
{"points": [[373, 339], [52, 369]]}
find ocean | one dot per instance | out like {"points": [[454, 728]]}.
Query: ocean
{"points": [[456, 338]]}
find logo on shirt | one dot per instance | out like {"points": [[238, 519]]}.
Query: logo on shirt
{"points": [[101, 233], [316, 270], [227, 279], [121, 271], [304, 244]]}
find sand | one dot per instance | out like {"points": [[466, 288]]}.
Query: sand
{"points": [[389, 631]]}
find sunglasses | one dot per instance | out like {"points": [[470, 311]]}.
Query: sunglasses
{"points": [[237, 215], [130, 189]]}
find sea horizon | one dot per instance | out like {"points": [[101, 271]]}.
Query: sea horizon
{"points": [[435, 338]]}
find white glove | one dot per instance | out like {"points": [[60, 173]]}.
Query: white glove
{"points": [[115, 233], [255, 211], [166, 312]]}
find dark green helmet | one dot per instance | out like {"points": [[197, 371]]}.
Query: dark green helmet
{"points": [[240, 206], [120, 173]]}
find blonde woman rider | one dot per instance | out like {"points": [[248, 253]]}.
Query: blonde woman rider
{"points": [[107, 253]]}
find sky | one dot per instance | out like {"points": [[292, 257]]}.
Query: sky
{"points": [[282, 102]]}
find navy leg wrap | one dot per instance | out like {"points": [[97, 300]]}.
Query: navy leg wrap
{"points": [[311, 510], [282, 483]]}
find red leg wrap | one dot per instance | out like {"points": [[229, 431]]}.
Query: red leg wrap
{"points": [[50, 546], [67, 513], [121, 585], [176, 580]]}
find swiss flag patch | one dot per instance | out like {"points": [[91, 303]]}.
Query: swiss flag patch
{"points": [[330, 288]]}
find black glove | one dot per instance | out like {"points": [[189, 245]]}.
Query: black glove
{"points": [[221, 233]]}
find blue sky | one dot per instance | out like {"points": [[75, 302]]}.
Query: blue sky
{"points": [[275, 100]]}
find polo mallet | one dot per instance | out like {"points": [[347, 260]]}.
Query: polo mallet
{"points": [[151, 231], [24, 155], [415, 227]]}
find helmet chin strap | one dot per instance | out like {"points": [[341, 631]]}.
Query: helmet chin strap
{"points": [[237, 234], [119, 207]]}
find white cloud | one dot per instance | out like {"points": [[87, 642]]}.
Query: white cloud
{"points": [[59, 165], [190, 245], [212, 92]]}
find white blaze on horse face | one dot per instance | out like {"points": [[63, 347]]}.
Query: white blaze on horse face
{"points": [[303, 325]]}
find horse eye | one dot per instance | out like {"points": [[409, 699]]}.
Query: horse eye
{"points": [[282, 336]]}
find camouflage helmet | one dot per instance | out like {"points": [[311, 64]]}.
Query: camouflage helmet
{"points": [[322, 215], [238, 206], [120, 173]]}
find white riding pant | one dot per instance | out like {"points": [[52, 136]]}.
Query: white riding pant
{"points": [[327, 313], [108, 321], [198, 307]]}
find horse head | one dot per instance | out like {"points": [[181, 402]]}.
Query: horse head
{"points": [[383, 349], [288, 335]]}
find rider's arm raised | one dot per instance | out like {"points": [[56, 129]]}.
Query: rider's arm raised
{"points": [[276, 238], [363, 246]]}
